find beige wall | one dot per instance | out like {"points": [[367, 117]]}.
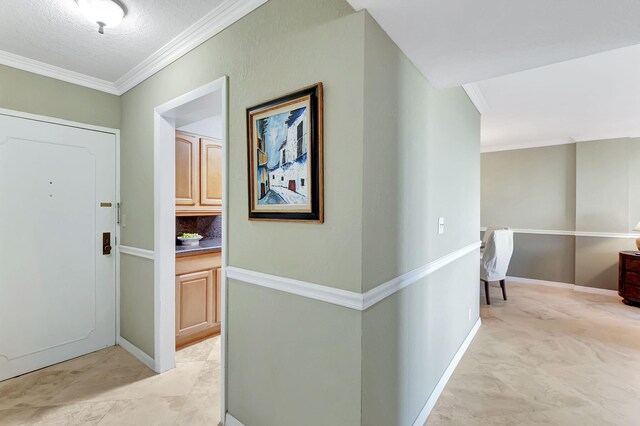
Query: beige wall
{"points": [[530, 188], [35, 94], [591, 186], [421, 162]]}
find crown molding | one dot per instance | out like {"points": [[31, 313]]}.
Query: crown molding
{"points": [[526, 145], [22, 63], [218, 19], [206, 27], [476, 96]]}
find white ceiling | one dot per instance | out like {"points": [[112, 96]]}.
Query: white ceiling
{"points": [[55, 32], [596, 97], [460, 41]]}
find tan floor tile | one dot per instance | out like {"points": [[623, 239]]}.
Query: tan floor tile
{"points": [[153, 411], [200, 409], [196, 353], [176, 382], [16, 416], [74, 414], [547, 356]]}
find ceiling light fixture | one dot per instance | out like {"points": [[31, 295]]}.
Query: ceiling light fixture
{"points": [[105, 13]]}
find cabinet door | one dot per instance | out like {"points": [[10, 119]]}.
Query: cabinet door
{"points": [[218, 273], [210, 172], [195, 305], [187, 170]]}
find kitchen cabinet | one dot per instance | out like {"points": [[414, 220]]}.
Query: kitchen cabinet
{"points": [[187, 170], [198, 175], [211, 173], [198, 287]]}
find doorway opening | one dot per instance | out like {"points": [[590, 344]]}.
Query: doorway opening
{"points": [[190, 193]]}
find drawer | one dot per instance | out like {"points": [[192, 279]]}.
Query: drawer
{"points": [[632, 292], [197, 262], [632, 277], [632, 264]]}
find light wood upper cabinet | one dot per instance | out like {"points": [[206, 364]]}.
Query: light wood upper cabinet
{"points": [[210, 172], [198, 175], [187, 170]]}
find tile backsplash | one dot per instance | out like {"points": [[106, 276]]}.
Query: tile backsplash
{"points": [[207, 226]]}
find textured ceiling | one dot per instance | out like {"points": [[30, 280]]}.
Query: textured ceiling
{"points": [[460, 41], [594, 97], [56, 33]]}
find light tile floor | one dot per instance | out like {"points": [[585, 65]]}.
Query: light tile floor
{"points": [[111, 387], [547, 356]]}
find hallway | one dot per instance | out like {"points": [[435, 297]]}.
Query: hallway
{"points": [[547, 356]]}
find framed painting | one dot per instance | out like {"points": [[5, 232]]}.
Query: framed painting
{"points": [[285, 157]]}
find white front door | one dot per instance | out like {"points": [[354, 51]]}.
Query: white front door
{"points": [[57, 289]]}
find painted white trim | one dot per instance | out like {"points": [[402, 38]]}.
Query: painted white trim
{"points": [[138, 252], [23, 63], [206, 27], [574, 287], [136, 351], [224, 253], [573, 233], [606, 234], [476, 96], [231, 421], [347, 299], [164, 225], [525, 145], [530, 281], [433, 398], [54, 120], [594, 290], [385, 290]]}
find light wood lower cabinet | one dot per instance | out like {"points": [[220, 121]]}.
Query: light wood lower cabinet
{"points": [[198, 286]]}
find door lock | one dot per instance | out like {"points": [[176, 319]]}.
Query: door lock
{"points": [[106, 243]]}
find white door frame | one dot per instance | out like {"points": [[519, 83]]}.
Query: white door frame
{"points": [[116, 133], [164, 229]]}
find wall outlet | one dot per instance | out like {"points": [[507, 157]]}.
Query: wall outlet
{"points": [[441, 225]]}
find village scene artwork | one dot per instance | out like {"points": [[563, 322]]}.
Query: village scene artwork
{"points": [[282, 177]]}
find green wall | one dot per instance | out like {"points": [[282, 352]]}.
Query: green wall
{"points": [[392, 143], [290, 358], [35, 94], [590, 186], [422, 162]]}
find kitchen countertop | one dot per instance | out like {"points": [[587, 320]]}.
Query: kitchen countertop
{"points": [[206, 246]]}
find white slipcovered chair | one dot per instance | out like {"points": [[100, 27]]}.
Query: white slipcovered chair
{"points": [[488, 231], [495, 260]]}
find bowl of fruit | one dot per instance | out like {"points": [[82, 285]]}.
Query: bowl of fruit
{"points": [[188, 239]]}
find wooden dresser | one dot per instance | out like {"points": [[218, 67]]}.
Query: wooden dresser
{"points": [[629, 277]]}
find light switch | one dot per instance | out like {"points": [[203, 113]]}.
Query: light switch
{"points": [[441, 225]]}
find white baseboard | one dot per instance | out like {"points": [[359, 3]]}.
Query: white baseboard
{"points": [[530, 281], [433, 398], [231, 421], [573, 287], [137, 352], [595, 290]]}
